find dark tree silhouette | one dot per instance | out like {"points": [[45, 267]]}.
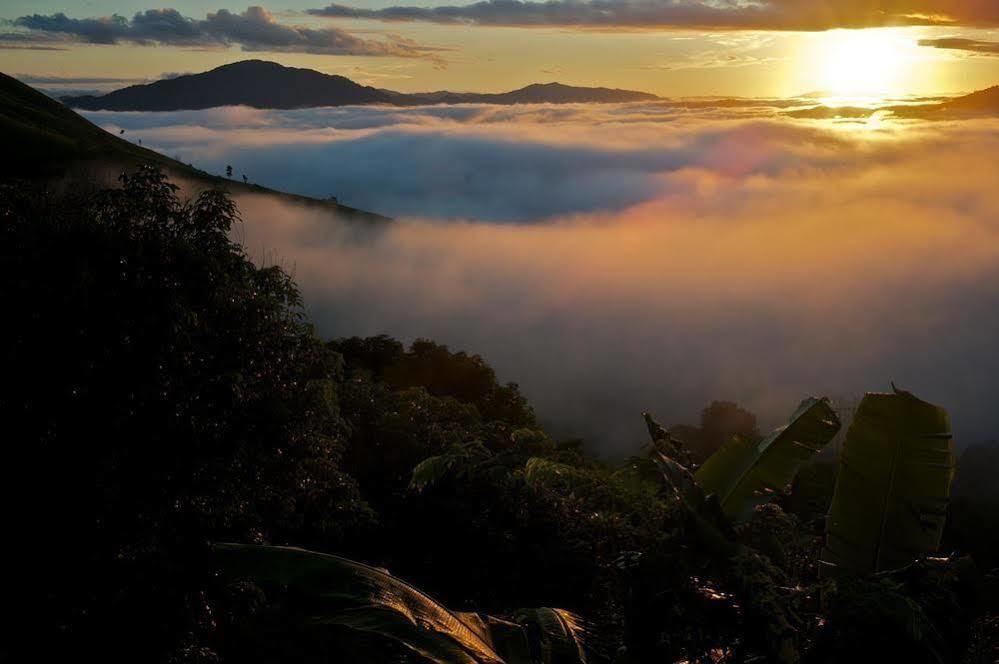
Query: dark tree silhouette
{"points": [[164, 392]]}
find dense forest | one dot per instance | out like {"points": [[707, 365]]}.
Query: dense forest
{"points": [[192, 475]]}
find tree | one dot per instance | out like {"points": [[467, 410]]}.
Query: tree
{"points": [[166, 393], [228, 171], [724, 419]]}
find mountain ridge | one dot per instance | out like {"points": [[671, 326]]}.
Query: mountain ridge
{"points": [[269, 85]]}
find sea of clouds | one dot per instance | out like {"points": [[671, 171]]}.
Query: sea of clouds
{"points": [[621, 258]]}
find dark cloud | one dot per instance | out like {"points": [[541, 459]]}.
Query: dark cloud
{"points": [[960, 44], [707, 14], [256, 29], [30, 42], [665, 256]]}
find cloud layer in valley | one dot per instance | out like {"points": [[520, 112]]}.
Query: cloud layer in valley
{"points": [[255, 29], [496, 163], [701, 14], [664, 256]]}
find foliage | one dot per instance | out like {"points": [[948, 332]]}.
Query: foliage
{"points": [[163, 393], [720, 422], [440, 372], [893, 486], [743, 475], [340, 605]]}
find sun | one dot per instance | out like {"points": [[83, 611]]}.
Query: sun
{"points": [[871, 62]]}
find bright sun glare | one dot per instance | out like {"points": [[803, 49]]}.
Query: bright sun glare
{"points": [[854, 63]]}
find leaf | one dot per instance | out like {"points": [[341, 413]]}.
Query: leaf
{"points": [[664, 442], [545, 472], [891, 496], [344, 593], [434, 469], [704, 513], [751, 575], [744, 475], [562, 634], [335, 592]]}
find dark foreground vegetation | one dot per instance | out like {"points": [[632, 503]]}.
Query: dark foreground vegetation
{"points": [[170, 421]]}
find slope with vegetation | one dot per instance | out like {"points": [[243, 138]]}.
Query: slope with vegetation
{"points": [[175, 431], [45, 139]]}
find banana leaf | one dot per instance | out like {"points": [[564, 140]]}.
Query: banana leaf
{"points": [[744, 475], [891, 495], [751, 575], [562, 634], [338, 593]]}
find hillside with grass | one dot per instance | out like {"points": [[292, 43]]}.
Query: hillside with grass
{"points": [[44, 138]]}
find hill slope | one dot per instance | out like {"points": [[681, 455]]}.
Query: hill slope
{"points": [[44, 138], [269, 85]]}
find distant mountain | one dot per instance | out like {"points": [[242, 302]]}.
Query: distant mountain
{"points": [[538, 93], [249, 83], [984, 103], [44, 139], [269, 85], [981, 101]]}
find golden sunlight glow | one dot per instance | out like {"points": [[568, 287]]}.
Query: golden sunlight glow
{"points": [[856, 63]]}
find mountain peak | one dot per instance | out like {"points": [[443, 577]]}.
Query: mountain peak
{"points": [[266, 84]]}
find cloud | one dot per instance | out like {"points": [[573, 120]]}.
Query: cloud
{"points": [[38, 79], [664, 256], [256, 29], [509, 164], [698, 14], [959, 44]]}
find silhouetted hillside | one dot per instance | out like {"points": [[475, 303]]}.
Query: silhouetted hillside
{"points": [[44, 138], [269, 85]]}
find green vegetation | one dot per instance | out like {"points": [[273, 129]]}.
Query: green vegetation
{"points": [[744, 474], [163, 396], [357, 609], [891, 495], [42, 137]]}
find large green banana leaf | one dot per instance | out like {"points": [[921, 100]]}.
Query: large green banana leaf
{"points": [[342, 594], [891, 495], [743, 475]]}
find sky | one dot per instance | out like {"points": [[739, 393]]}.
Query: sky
{"points": [[754, 48]]}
